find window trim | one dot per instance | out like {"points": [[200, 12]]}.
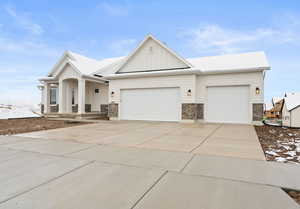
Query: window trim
{"points": [[55, 96]]}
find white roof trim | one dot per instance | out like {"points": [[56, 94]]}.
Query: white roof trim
{"points": [[152, 74], [149, 36], [180, 72], [292, 101], [65, 56]]}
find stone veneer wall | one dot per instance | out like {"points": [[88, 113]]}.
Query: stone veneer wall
{"points": [[192, 111], [104, 108], [88, 108], [42, 108], [75, 108], [54, 108], [200, 111], [257, 112], [113, 110]]}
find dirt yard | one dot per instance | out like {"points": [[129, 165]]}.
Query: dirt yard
{"points": [[17, 126], [280, 144]]}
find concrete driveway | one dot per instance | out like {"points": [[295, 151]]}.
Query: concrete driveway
{"points": [[49, 173], [210, 139]]}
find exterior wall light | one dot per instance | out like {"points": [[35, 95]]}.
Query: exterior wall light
{"points": [[112, 94], [257, 91], [189, 92]]}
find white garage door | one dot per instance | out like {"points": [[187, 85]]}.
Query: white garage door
{"points": [[228, 104], [157, 104]]}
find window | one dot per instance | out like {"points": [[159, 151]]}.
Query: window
{"points": [[97, 91], [53, 95], [73, 96]]}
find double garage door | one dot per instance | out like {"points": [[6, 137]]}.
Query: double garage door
{"points": [[224, 104], [156, 104]]}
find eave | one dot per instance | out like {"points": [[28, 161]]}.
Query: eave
{"points": [[183, 72]]}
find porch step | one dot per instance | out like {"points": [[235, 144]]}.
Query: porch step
{"points": [[88, 116]]}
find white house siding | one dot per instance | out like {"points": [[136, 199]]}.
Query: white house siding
{"points": [[291, 118], [286, 116], [96, 99], [151, 56], [184, 82], [68, 72], [295, 117]]}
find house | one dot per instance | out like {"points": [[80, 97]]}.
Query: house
{"points": [[155, 83], [268, 110], [276, 111], [291, 110]]}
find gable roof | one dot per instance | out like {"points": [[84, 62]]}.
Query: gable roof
{"points": [[292, 100], [245, 62], [84, 65], [148, 37], [251, 60], [276, 99]]}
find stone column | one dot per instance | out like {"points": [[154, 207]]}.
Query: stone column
{"points": [[257, 111], [46, 98], [81, 96], [113, 111], [61, 100], [192, 111]]}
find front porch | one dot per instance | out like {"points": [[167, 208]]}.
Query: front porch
{"points": [[74, 98]]}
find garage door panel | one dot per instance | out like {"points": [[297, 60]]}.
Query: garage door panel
{"points": [[229, 104], [159, 104]]}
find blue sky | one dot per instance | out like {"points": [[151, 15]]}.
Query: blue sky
{"points": [[35, 33]]}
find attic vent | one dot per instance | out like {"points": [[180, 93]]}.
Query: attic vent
{"points": [[150, 48]]}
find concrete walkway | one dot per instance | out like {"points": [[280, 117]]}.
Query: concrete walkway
{"points": [[38, 173], [209, 139]]}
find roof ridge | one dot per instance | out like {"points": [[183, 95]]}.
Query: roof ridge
{"points": [[244, 53]]}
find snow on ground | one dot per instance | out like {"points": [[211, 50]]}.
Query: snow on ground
{"points": [[285, 151], [280, 144], [12, 111]]}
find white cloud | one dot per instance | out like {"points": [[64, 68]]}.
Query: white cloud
{"points": [[218, 39], [24, 21], [122, 47], [114, 9], [27, 47]]}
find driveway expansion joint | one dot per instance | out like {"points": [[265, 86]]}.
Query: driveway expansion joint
{"points": [[206, 138], [46, 182], [149, 189]]}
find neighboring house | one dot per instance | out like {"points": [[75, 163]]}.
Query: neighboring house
{"points": [[291, 110], [268, 111], [276, 111], [155, 83]]}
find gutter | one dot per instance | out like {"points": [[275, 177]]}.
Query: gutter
{"points": [[191, 71], [47, 79], [152, 74]]}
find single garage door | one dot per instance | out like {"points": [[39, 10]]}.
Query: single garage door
{"points": [[228, 104], [157, 104]]}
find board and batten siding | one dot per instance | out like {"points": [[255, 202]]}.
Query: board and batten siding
{"points": [[151, 56]]}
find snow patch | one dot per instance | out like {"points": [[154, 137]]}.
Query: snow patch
{"points": [[271, 153], [280, 159], [12, 111]]}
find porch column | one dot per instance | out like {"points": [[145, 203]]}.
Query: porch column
{"points": [[61, 100], [46, 98], [81, 96]]}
